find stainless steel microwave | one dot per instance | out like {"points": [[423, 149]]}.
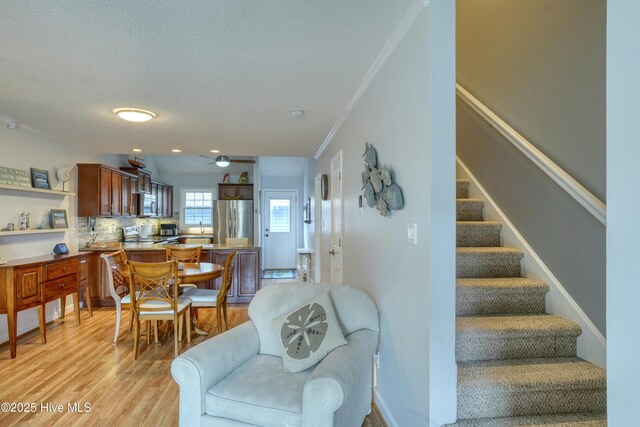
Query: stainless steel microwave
{"points": [[147, 204]]}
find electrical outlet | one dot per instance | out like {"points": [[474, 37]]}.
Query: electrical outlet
{"points": [[112, 229], [412, 233]]}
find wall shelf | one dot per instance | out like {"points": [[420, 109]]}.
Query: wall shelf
{"points": [[36, 231], [35, 190]]}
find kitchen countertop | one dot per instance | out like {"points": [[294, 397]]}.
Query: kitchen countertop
{"points": [[149, 246]]}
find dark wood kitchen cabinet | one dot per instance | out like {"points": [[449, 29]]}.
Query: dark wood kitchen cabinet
{"points": [[100, 191], [143, 177], [246, 277], [235, 191]]}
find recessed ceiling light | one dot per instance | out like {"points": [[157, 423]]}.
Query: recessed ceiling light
{"points": [[297, 112], [134, 114], [214, 151], [176, 150], [137, 150]]}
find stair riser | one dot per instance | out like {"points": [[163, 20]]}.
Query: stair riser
{"points": [[462, 189], [487, 265], [469, 210], [472, 347], [488, 404], [477, 236], [479, 302]]}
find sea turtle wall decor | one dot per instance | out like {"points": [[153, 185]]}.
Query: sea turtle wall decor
{"points": [[377, 182]]}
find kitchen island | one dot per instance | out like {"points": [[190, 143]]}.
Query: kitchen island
{"points": [[246, 278]]}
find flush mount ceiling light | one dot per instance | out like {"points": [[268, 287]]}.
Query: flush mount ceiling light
{"points": [[176, 150], [134, 114], [223, 161], [214, 151], [137, 150], [297, 112]]}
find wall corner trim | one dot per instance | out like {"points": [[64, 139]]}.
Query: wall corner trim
{"points": [[400, 31], [592, 345]]}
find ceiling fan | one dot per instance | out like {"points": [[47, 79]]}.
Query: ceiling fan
{"points": [[224, 161]]}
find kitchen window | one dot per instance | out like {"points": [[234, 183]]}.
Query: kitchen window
{"points": [[198, 208]]}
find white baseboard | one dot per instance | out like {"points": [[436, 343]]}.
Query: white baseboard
{"points": [[24, 327], [384, 411], [592, 345]]}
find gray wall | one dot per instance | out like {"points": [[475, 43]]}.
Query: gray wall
{"points": [[540, 65], [623, 234], [569, 240], [407, 113]]}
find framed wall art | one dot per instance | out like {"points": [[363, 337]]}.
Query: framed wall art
{"points": [[40, 179], [58, 218]]}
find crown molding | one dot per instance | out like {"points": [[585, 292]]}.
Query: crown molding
{"points": [[400, 31], [38, 131]]}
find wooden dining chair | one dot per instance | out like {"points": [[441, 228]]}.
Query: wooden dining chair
{"points": [[156, 298], [181, 254], [211, 298], [117, 276]]}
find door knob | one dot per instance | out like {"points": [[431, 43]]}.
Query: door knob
{"points": [[332, 252]]}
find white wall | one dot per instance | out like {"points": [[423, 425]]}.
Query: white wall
{"points": [[408, 114], [623, 234], [23, 148]]}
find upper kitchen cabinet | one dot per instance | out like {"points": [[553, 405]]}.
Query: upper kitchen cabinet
{"points": [[143, 176], [164, 199], [100, 191], [235, 191]]}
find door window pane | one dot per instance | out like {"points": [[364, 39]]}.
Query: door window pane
{"points": [[280, 215]]}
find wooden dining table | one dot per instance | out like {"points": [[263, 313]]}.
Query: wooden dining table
{"points": [[198, 272], [194, 272]]}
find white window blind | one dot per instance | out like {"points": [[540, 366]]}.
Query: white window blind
{"points": [[280, 215], [198, 208]]}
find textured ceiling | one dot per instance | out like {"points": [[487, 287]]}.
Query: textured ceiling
{"points": [[219, 74]]}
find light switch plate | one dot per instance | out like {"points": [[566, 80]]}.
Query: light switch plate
{"points": [[412, 233]]}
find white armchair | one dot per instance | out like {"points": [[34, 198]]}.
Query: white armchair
{"points": [[233, 379]]}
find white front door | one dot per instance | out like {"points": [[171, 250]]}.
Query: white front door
{"points": [[336, 219], [279, 229]]}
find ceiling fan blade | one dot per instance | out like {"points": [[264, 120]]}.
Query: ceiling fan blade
{"points": [[207, 157], [241, 161]]}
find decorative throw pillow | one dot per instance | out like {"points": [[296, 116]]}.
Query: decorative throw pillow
{"points": [[309, 333]]}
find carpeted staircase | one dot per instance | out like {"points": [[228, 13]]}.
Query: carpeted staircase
{"points": [[517, 365]]}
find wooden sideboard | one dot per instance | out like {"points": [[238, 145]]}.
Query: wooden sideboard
{"points": [[33, 282], [246, 279]]}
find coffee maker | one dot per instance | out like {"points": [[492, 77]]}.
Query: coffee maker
{"points": [[168, 229]]}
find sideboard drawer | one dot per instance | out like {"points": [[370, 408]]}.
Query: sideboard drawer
{"points": [[60, 287], [60, 269]]}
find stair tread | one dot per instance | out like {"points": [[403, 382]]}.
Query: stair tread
{"points": [[551, 420], [469, 200], [531, 374], [488, 250], [479, 223], [504, 283], [528, 325]]}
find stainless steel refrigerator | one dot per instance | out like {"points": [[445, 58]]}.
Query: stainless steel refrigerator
{"points": [[232, 219]]}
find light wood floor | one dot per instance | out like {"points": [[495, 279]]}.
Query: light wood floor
{"points": [[82, 364]]}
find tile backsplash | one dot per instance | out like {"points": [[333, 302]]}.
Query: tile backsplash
{"points": [[110, 229]]}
